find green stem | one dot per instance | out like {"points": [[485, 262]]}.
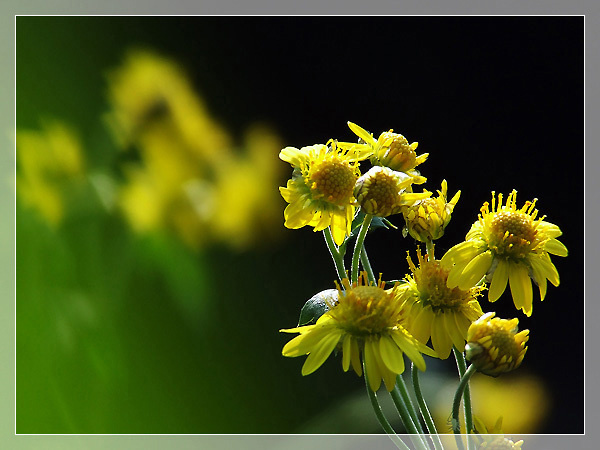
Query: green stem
{"points": [[380, 416], [407, 420], [460, 390], [360, 240], [425, 410], [461, 364], [430, 248], [400, 389], [364, 259], [338, 259]]}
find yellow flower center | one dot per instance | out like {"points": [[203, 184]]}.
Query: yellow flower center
{"points": [[513, 233], [334, 181], [399, 156], [430, 279], [366, 310], [378, 192]]}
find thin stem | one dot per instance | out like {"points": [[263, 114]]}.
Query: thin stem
{"points": [[364, 259], [401, 389], [338, 259], [407, 420], [430, 248], [380, 416], [461, 364], [360, 239], [425, 410], [462, 385]]}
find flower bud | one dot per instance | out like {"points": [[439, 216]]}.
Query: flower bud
{"points": [[427, 219], [494, 346], [382, 191]]}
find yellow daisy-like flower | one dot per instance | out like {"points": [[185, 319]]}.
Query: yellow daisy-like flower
{"points": [[320, 193], [434, 310], [368, 320], [427, 219], [494, 345], [509, 245], [392, 150], [383, 192]]}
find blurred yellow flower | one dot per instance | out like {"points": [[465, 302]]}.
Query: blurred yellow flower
{"points": [[522, 400], [47, 161], [190, 179]]}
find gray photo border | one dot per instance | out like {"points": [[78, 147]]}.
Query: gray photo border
{"points": [[11, 8]]}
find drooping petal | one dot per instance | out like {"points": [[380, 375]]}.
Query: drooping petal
{"points": [[391, 355], [373, 373], [520, 286], [499, 280], [440, 340], [455, 335], [321, 352], [475, 270], [409, 348]]}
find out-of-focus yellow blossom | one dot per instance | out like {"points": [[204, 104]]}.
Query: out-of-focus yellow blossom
{"points": [[427, 219], [509, 245], [382, 192], [522, 400], [148, 89], [47, 162], [392, 150], [368, 320], [494, 442], [495, 345], [320, 192], [190, 179], [434, 310]]}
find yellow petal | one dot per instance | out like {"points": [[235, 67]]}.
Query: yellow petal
{"points": [[373, 373], [362, 133], [499, 280], [520, 287], [409, 348], [321, 352], [440, 340], [391, 355], [556, 247], [475, 270]]}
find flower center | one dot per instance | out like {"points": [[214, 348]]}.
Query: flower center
{"points": [[366, 310], [334, 181], [431, 279], [378, 192], [512, 233]]}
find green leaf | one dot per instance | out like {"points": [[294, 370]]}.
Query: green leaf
{"points": [[317, 305]]}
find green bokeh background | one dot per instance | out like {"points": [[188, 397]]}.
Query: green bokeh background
{"points": [[122, 333]]}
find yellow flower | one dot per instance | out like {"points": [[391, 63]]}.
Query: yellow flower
{"points": [[47, 161], [392, 150], [494, 442], [368, 320], [434, 310], [427, 219], [494, 345], [320, 191], [383, 192], [507, 244]]}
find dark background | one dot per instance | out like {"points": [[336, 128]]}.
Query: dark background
{"points": [[497, 102]]}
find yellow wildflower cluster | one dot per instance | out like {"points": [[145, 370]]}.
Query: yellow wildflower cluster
{"points": [[437, 304], [49, 162], [191, 179]]}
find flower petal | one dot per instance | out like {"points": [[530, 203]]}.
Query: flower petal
{"points": [[475, 270], [372, 369], [499, 280], [556, 247], [391, 355], [520, 287], [321, 352]]}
